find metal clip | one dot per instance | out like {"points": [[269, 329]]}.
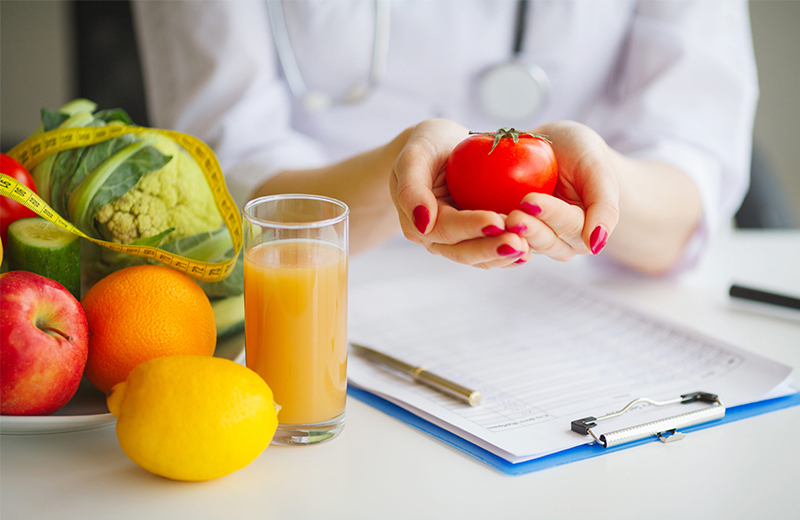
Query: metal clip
{"points": [[664, 429], [673, 436]]}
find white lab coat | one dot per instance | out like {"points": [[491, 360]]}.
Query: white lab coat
{"points": [[672, 81]]}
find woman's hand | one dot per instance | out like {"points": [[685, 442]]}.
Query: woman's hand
{"points": [[584, 209], [577, 219], [426, 210]]}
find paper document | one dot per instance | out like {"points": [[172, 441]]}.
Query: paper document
{"points": [[543, 352]]}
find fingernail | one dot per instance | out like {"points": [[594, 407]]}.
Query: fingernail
{"points": [[492, 231], [520, 229], [530, 209], [421, 218], [521, 261], [507, 250], [598, 239]]}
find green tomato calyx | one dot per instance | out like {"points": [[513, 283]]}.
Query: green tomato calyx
{"points": [[512, 133]]}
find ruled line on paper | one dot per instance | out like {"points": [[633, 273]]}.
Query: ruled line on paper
{"points": [[543, 359]]}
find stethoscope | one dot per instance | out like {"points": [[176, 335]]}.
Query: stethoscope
{"points": [[509, 91]]}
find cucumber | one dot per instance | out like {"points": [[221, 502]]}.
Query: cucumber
{"points": [[41, 247], [229, 315]]}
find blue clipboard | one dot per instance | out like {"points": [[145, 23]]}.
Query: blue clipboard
{"points": [[585, 451]]}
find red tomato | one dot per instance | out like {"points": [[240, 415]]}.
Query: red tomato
{"points": [[11, 210], [495, 170]]}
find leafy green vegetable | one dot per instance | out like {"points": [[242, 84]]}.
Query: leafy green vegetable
{"points": [[118, 174], [43, 172], [114, 114], [141, 189], [78, 105], [91, 159], [233, 285], [52, 119], [154, 240], [210, 246], [214, 246]]}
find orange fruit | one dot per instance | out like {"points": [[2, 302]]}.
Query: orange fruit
{"points": [[140, 313]]}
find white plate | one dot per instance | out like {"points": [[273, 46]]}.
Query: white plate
{"points": [[87, 409]]}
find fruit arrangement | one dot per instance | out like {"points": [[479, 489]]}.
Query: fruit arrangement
{"points": [[141, 333]]}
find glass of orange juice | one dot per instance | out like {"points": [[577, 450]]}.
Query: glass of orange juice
{"points": [[295, 296]]}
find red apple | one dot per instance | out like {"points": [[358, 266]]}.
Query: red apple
{"points": [[44, 342]]}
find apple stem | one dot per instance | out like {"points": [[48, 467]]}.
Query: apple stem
{"points": [[51, 329]]}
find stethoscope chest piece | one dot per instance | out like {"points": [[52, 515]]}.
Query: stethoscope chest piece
{"points": [[513, 91]]}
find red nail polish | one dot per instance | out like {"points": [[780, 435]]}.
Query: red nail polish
{"points": [[507, 250], [521, 261], [492, 231], [421, 218], [519, 229], [598, 239], [531, 209]]}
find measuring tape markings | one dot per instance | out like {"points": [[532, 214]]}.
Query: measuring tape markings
{"points": [[34, 149]]}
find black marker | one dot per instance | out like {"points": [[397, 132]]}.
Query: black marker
{"points": [[780, 300]]}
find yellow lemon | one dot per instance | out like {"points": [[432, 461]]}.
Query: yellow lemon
{"points": [[193, 417]]}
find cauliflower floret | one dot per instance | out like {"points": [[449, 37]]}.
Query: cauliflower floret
{"points": [[176, 196]]}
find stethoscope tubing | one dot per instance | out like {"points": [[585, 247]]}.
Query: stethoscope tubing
{"points": [[535, 77], [291, 69]]}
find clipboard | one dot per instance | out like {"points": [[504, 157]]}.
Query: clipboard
{"points": [[570, 455], [532, 387]]}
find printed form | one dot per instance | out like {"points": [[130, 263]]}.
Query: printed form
{"points": [[543, 352]]}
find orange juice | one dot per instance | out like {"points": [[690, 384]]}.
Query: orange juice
{"points": [[296, 326]]}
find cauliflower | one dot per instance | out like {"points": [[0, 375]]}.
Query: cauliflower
{"points": [[176, 196], [141, 187]]}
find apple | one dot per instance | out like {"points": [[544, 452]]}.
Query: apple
{"points": [[44, 343]]}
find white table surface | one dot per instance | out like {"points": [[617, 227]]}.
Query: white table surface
{"points": [[382, 468]]}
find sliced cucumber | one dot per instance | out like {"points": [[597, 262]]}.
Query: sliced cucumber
{"points": [[41, 247], [229, 315]]}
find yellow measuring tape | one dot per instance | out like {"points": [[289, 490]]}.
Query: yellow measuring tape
{"points": [[34, 149]]}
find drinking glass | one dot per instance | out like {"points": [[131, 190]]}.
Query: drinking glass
{"points": [[295, 295]]}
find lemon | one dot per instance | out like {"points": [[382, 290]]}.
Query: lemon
{"points": [[193, 417]]}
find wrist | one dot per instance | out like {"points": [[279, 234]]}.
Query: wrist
{"points": [[396, 145], [660, 208]]}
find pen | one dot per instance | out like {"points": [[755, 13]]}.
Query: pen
{"points": [[756, 295], [421, 375]]}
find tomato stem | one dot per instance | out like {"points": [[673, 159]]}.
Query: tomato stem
{"points": [[513, 133]]}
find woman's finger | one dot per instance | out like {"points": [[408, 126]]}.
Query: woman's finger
{"points": [[585, 171], [484, 252], [566, 221], [520, 261], [542, 240], [600, 194], [411, 185], [421, 161], [454, 226]]}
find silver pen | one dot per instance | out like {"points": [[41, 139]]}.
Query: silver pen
{"points": [[421, 375]]}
